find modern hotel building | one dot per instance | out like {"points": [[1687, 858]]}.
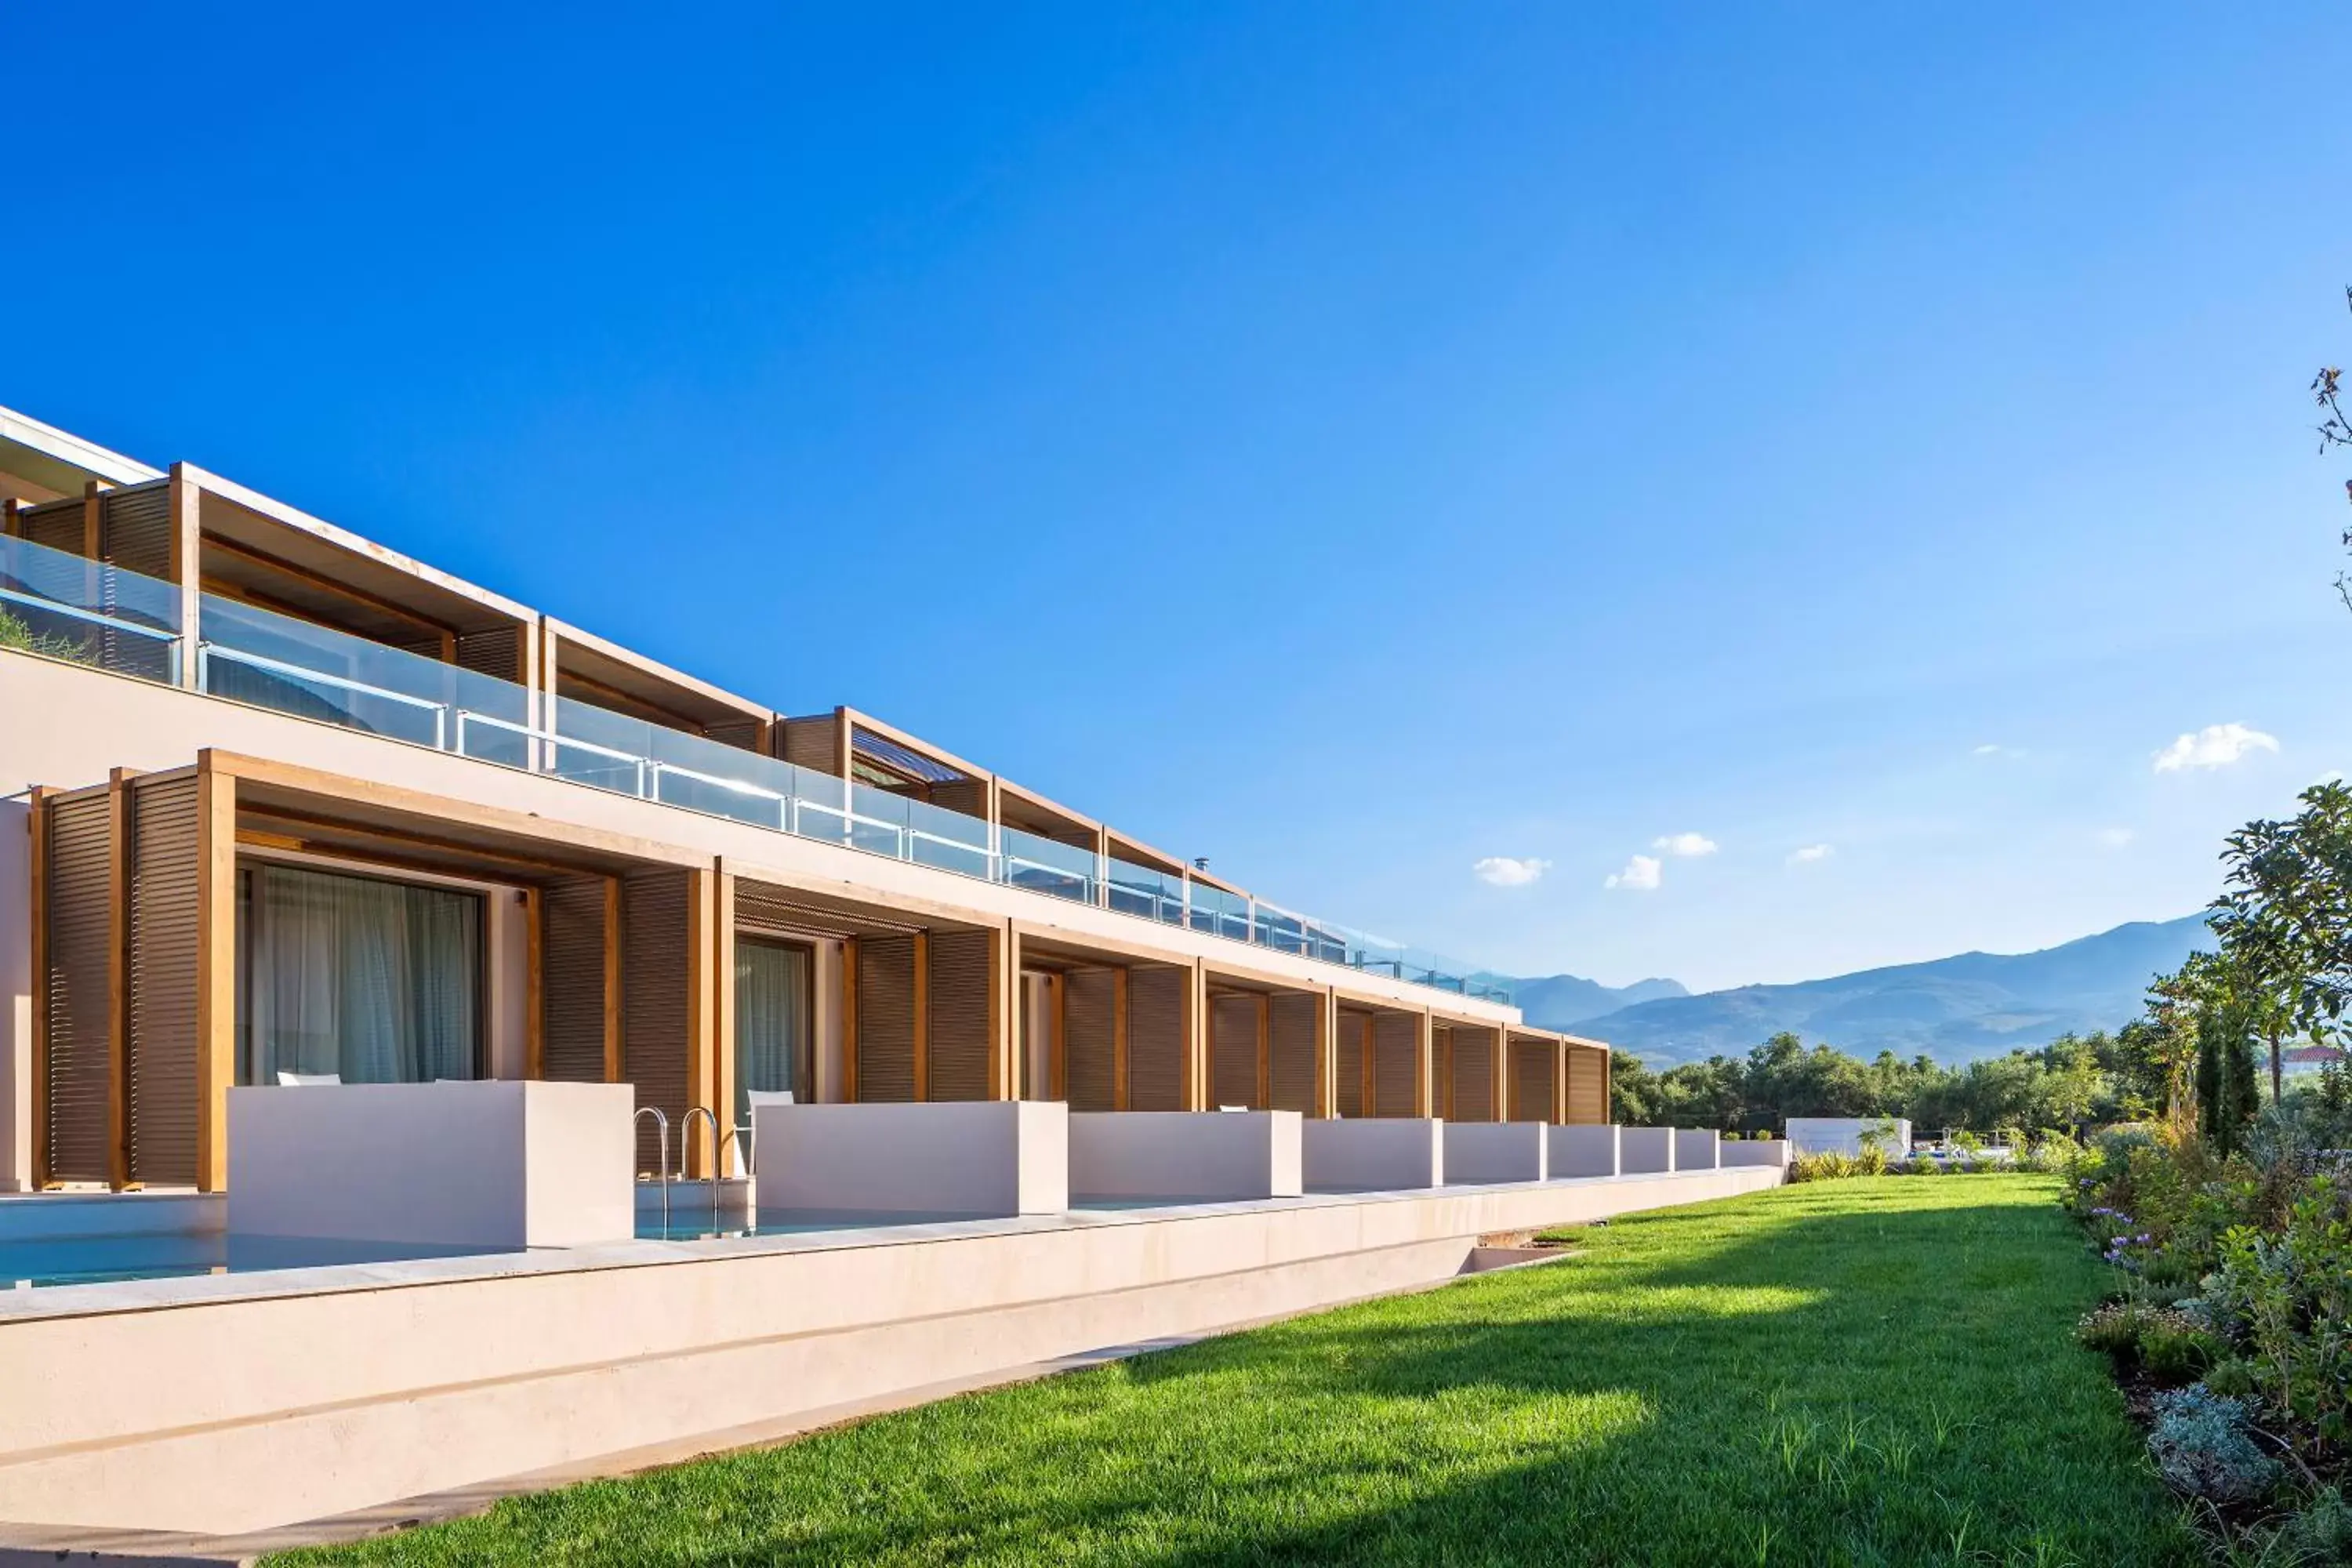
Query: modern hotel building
{"points": [[276, 799]]}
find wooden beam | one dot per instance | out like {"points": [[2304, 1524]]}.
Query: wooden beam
{"points": [[1502, 1049], [612, 980], [1057, 1057], [36, 823], [1196, 1040], [1327, 1054], [1425, 1065], [11, 527], [534, 1020], [1004, 1000], [93, 530], [722, 1017], [1119, 982], [849, 1019], [922, 1015], [185, 505], [1364, 1088], [119, 806], [699, 1155], [216, 969], [1559, 1083], [441, 630], [1264, 1051]]}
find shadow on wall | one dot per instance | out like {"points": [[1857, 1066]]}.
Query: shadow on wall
{"points": [[1861, 1382]]}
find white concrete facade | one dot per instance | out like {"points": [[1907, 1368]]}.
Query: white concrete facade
{"points": [[1172, 1154], [1495, 1152], [486, 1165], [1374, 1155], [987, 1158]]}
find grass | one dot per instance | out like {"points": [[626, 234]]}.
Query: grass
{"points": [[1875, 1372]]}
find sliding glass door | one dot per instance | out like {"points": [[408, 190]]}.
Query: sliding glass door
{"points": [[773, 1003], [377, 981]]}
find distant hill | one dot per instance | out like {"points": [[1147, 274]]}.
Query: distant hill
{"points": [[1571, 996], [1954, 1009]]}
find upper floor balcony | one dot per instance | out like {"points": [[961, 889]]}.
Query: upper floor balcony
{"points": [[283, 612]]}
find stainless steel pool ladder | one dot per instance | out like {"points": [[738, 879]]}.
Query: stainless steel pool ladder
{"points": [[661, 1159], [717, 1142]]}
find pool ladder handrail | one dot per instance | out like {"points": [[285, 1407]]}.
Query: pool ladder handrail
{"points": [[661, 1161], [718, 1143]]}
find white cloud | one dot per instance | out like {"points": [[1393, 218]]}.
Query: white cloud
{"points": [[1508, 872], [2114, 838], [1640, 875], [1688, 846], [1990, 749], [2214, 746], [1811, 853]]}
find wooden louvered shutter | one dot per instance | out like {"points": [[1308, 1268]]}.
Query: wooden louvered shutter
{"points": [[1233, 1050], [886, 1019], [1588, 1086], [655, 972], [1155, 1038], [571, 980], [1291, 1068], [1474, 1075], [135, 527], [1349, 1048], [163, 1078], [1088, 1068], [75, 1085], [54, 525], [498, 651], [958, 997], [1531, 1064], [1396, 1064]]}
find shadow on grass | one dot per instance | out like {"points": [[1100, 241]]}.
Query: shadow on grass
{"points": [[1866, 1377]]}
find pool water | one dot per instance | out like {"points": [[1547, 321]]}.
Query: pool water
{"points": [[101, 1260]]}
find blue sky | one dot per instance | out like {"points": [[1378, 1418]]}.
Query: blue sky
{"points": [[1349, 441]]}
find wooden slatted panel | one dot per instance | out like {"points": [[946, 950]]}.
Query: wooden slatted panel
{"points": [[967, 795], [56, 524], [958, 1016], [1474, 1075], [1350, 1064], [656, 970], [1290, 1071], [814, 743], [1531, 1063], [75, 1090], [886, 1019], [1090, 1070], [1396, 1063], [135, 527], [164, 1074], [1155, 1038], [571, 980], [498, 651], [1233, 1050], [1588, 1086], [746, 733]]}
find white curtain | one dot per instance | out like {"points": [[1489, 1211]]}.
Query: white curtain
{"points": [[772, 1022], [377, 981]]}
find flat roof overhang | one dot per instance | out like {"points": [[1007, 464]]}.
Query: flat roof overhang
{"points": [[597, 663]]}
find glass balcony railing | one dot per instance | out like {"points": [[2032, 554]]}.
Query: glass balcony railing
{"points": [[63, 606]]}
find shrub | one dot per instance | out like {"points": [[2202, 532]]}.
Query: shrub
{"points": [[2200, 1444], [2321, 1531], [1829, 1166], [1871, 1161], [2232, 1377]]}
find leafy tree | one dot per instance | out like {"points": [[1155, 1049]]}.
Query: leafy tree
{"points": [[2284, 919], [2335, 430]]}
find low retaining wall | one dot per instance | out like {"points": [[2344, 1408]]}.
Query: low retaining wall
{"points": [[1695, 1150], [1495, 1152], [1373, 1154], [1208, 1154], [1583, 1151], [489, 1164], [1645, 1151], [979, 1159], [238, 1403], [1771, 1152]]}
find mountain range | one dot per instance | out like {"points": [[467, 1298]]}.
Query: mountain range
{"points": [[1954, 1009]]}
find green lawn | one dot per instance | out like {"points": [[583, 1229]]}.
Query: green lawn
{"points": [[1844, 1372]]}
